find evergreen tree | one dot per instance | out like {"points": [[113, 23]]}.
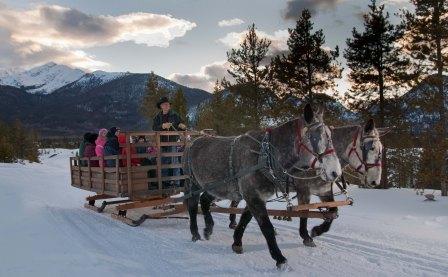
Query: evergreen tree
{"points": [[426, 41], [377, 65], [378, 68], [307, 68], [246, 67], [222, 114], [179, 104], [153, 92]]}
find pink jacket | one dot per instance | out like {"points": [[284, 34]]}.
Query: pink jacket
{"points": [[99, 149]]}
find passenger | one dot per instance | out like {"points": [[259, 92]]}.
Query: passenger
{"points": [[82, 145], [123, 162], [89, 149], [168, 120], [99, 143], [112, 147]]}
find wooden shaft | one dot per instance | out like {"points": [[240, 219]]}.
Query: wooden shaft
{"points": [[312, 206], [307, 214], [144, 203]]}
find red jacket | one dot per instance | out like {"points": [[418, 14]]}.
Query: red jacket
{"points": [[123, 162], [89, 152]]}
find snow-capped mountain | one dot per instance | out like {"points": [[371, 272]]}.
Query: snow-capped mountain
{"points": [[75, 101], [50, 77]]}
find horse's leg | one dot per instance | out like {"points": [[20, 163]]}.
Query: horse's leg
{"points": [[258, 209], [206, 200], [245, 218], [232, 217], [325, 226], [192, 203], [304, 198]]}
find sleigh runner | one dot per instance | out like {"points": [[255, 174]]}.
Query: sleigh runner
{"points": [[128, 186]]}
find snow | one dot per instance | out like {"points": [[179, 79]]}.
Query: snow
{"points": [[49, 77], [42, 79], [46, 232]]}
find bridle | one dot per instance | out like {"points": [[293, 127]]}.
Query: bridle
{"points": [[362, 160], [300, 143]]}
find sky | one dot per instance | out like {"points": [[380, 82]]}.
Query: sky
{"points": [[185, 41]]}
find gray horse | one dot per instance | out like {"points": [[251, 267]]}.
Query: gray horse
{"points": [[360, 148], [299, 143]]}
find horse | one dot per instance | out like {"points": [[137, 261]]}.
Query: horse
{"points": [[227, 168], [360, 149]]}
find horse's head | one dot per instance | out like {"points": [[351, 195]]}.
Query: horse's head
{"points": [[364, 153], [314, 146]]}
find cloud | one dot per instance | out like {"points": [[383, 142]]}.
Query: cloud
{"points": [[294, 8], [230, 22], [205, 79], [52, 31], [278, 39]]}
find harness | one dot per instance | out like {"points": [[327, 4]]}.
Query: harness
{"points": [[300, 145], [362, 161], [266, 164]]}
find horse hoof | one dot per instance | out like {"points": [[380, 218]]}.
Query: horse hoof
{"points": [[196, 237], [309, 243], [232, 225], [207, 234], [314, 232], [238, 249], [283, 266]]}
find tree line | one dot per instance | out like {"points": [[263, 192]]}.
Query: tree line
{"points": [[17, 143]]}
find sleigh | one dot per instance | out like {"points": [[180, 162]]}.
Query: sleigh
{"points": [[130, 186]]}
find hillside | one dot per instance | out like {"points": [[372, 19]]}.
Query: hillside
{"points": [[94, 100]]}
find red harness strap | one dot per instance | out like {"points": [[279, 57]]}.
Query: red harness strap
{"points": [[300, 144], [363, 163]]}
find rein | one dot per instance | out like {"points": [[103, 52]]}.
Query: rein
{"points": [[300, 144], [362, 161]]}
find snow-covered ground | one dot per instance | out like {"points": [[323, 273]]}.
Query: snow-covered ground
{"points": [[44, 231]]}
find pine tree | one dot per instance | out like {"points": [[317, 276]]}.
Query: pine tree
{"points": [[222, 114], [378, 68], [179, 104], [153, 92], [426, 41], [307, 68], [246, 67]]}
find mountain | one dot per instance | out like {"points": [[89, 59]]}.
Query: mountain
{"points": [[57, 100]]}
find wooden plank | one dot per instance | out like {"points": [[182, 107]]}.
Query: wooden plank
{"points": [[172, 165], [144, 204], [172, 154], [103, 175], [128, 163], [173, 178], [99, 197], [79, 172], [171, 143], [159, 162], [90, 172], [271, 212], [313, 206], [117, 170]]}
